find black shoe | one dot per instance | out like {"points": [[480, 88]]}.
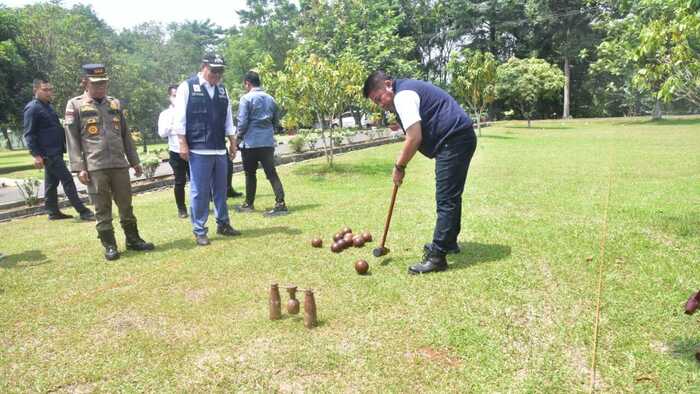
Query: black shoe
{"points": [[59, 216], [451, 250], [432, 262], [279, 210], [109, 243], [87, 216], [202, 240], [244, 208], [233, 194], [134, 240], [182, 213], [227, 230]]}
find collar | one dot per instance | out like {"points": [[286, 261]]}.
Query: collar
{"points": [[257, 89], [203, 81]]}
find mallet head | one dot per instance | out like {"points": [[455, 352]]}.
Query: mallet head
{"points": [[380, 251]]}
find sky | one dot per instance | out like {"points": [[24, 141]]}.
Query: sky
{"points": [[121, 14]]}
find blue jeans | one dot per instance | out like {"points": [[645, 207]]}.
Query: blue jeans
{"points": [[207, 176], [451, 167]]}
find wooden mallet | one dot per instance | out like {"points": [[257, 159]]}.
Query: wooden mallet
{"points": [[381, 250]]}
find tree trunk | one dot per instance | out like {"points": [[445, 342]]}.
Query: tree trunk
{"points": [[478, 122], [528, 122], [656, 114], [7, 137], [567, 88]]}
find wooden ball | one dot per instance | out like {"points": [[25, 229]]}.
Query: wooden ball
{"points": [[358, 241], [361, 267]]}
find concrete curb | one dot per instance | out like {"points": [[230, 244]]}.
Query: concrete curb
{"points": [[18, 209]]}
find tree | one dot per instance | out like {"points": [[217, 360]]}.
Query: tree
{"points": [[57, 41], [474, 80], [438, 27], [562, 33], [655, 45], [311, 88], [523, 82], [14, 81]]}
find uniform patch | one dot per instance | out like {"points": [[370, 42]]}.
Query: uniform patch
{"points": [[113, 105], [92, 129], [197, 88]]}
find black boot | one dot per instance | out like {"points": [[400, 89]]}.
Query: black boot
{"points": [[433, 261], [133, 240], [110, 244]]}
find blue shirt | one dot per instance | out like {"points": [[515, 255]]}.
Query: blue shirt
{"points": [[257, 117], [43, 132]]}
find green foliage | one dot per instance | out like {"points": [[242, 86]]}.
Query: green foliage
{"points": [[653, 47], [58, 41], [474, 80], [523, 82], [150, 163], [29, 189], [311, 88], [297, 144], [14, 79]]}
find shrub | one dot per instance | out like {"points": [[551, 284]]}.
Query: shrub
{"points": [[297, 144], [150, 163], [29, 189]]}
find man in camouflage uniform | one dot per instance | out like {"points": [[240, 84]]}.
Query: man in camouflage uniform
{"points": [[101, 152]]}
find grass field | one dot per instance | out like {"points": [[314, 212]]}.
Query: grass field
{"points": [[546, 210]]}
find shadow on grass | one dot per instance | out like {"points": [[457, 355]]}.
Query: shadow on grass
{"points": [[536, 126], [475, 253], [496, 137], [374, 168], [32, 257], [662, 122], [299, 208], [179, 244], [686, 226], [264, 231], [684, 349]]}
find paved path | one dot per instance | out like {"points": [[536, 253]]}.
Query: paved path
{"points": [[10, 192]]}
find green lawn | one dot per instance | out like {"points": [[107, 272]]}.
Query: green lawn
{"points": [[515, 312]]}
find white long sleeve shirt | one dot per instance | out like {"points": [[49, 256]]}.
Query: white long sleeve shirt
{"points": [[166, 122], [180, 117]]}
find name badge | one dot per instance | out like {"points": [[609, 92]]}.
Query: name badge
{"points": [[196, 88]]}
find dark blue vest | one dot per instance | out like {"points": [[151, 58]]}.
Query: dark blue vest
{"points": [[441, 116], [206, 116]]}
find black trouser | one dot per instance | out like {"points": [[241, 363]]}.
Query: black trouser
{"points": [[180, 169], [229, 176], [55, 172], [451, 167], [266, 156]]}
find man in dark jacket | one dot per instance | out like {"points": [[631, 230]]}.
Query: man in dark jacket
{"points": [[438, 127], [46, 141]]}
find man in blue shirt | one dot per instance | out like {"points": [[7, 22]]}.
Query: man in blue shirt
{"points": [[258, 116], [438, 127], [46, 141]]}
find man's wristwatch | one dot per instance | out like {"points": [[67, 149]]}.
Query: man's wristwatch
{"points": [[400, 168]]}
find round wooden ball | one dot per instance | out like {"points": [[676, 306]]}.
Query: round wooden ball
{"points": [[361, 267]]}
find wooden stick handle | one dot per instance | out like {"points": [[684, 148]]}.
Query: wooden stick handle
{"points": [[388, 217]]}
